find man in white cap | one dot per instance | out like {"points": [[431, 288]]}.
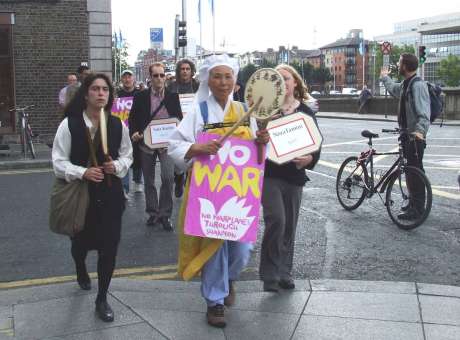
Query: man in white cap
{"points": [[220, 262]]}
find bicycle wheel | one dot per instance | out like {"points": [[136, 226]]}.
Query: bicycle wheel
{"points": [[408, 208], [30, 144], [351, 184]]}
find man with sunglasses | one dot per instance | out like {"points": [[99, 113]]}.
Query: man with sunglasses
{"points": [[155, 102], [184, 84]]}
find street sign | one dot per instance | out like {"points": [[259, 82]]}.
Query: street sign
{"points": [[386, 60], [156, 38], [385, 48]]}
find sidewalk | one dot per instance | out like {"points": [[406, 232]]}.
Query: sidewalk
{"points": [[317, 309], [375, 117]]}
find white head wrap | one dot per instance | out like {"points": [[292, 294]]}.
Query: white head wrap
{"points": [[208, 64]]}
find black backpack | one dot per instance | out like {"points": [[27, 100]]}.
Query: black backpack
{"points": [[436, 99]]}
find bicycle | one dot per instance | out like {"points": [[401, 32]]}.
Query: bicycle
{"points": [[26, 130], [356, 181]]}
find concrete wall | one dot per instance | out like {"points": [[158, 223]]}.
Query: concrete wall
{"points": [[100, 35], [380, 105]]}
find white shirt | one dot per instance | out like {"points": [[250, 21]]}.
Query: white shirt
{"points": [[187, 131], [62, 94], [62, 166]]}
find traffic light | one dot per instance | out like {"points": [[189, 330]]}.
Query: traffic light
{"points": [[181, 33], [421, 54]]}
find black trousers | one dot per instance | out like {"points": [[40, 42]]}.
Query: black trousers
{"points": [[413, 151], [105, 265]]}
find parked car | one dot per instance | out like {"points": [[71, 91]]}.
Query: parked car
{"points": [[312, 103], [334, 92], [349, 91], [315, 92]]}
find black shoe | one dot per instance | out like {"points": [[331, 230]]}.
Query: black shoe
{"points": [[287, 284], [166, 224], [152, 221], [271, 286], [104, 311], [405, 207], [179, 187], [84, 281], [409, 215]]}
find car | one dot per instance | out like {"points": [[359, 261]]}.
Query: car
{"points": [[315, 92], [312, 103], [334, 92], [349, 91]]}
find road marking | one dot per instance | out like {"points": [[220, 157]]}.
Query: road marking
{"points": [[425, 167], [435, 191], [123, 272], [444, 187], [29, 171], [424, 155], [320, 174], [353, 142], [428, 145]]}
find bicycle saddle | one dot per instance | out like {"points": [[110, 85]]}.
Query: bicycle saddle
{"points": [[369, 134]]}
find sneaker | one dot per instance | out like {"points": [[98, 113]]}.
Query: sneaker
{"points": [[138, 187], [166, 224], [271, 286], [152, 221], [287, 284], [409, 215], [230, 299], [215, 316]]}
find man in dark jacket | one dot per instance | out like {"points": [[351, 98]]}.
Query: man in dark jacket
{"points": [[155, 103], [184, 84]]}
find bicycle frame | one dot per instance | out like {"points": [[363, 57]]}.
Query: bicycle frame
{"points": [[367, 158]]}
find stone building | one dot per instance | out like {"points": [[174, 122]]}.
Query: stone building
{"points": [[41, 41]]}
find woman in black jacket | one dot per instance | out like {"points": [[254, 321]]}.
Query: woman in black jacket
{"points": [[282, 196]]}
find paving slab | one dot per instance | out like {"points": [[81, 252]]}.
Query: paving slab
{"points": [[181, 325], [441, 332], [334, 328], [41, 293], [440, 310], [363, 286], [373, 306], [137, 331], [185, 302], [6, 317], [259, 325], [283, 302], [154, 286], [65, 316], [441, 290], [257, 286]]}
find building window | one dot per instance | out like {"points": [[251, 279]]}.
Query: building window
{"points": [[7, 121]]}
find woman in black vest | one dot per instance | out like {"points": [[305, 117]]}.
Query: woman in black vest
{"points": [[71, 155]]}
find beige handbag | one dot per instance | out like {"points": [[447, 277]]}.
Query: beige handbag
{"points": [[68, 205]]}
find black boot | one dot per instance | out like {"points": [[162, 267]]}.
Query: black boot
{"points": [[104, 311]]}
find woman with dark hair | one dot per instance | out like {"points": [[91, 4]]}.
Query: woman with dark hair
{"points": [[71, 161]]}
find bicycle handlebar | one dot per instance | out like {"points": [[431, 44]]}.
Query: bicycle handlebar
{"points": [[21, 108]]}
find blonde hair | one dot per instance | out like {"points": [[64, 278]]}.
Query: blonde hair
{"points": [[301, 89]]}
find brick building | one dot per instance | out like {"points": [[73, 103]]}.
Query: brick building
{"points": [[41, 41]]}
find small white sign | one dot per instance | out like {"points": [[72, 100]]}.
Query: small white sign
{"points": [[292, 136], [158, 132], [186, 102]]}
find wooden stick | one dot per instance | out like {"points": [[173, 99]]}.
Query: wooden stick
{"points": [[92, 152], [241, 120], [261, 147], [105, 148]]}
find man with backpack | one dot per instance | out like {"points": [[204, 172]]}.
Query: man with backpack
{"points": [[414, 115]]}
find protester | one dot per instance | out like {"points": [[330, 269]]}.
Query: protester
{"points": [[155, 103], [71, 155], [282, 195], [364, 97], [71, 80], [129, 90], [220, 262], [185, 84], [82, 72], [414, 115]]}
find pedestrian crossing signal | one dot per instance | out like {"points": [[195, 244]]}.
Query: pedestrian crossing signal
{"points": [[421, 54]]}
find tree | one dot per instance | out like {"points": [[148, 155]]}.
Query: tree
{"points": [[246, 72], [320, 76], [395, 53], [449, 70], [119, 58]]}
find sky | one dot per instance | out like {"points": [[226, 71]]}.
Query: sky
{"points": [[246, 26]]}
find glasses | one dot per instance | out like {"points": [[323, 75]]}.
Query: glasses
{"points": [[156, 75]]}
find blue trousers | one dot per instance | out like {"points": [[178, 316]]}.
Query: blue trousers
{"points": [[224, 266]]}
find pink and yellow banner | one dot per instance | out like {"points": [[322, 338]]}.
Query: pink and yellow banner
{"points": [[225, 192], [121, 108]]}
